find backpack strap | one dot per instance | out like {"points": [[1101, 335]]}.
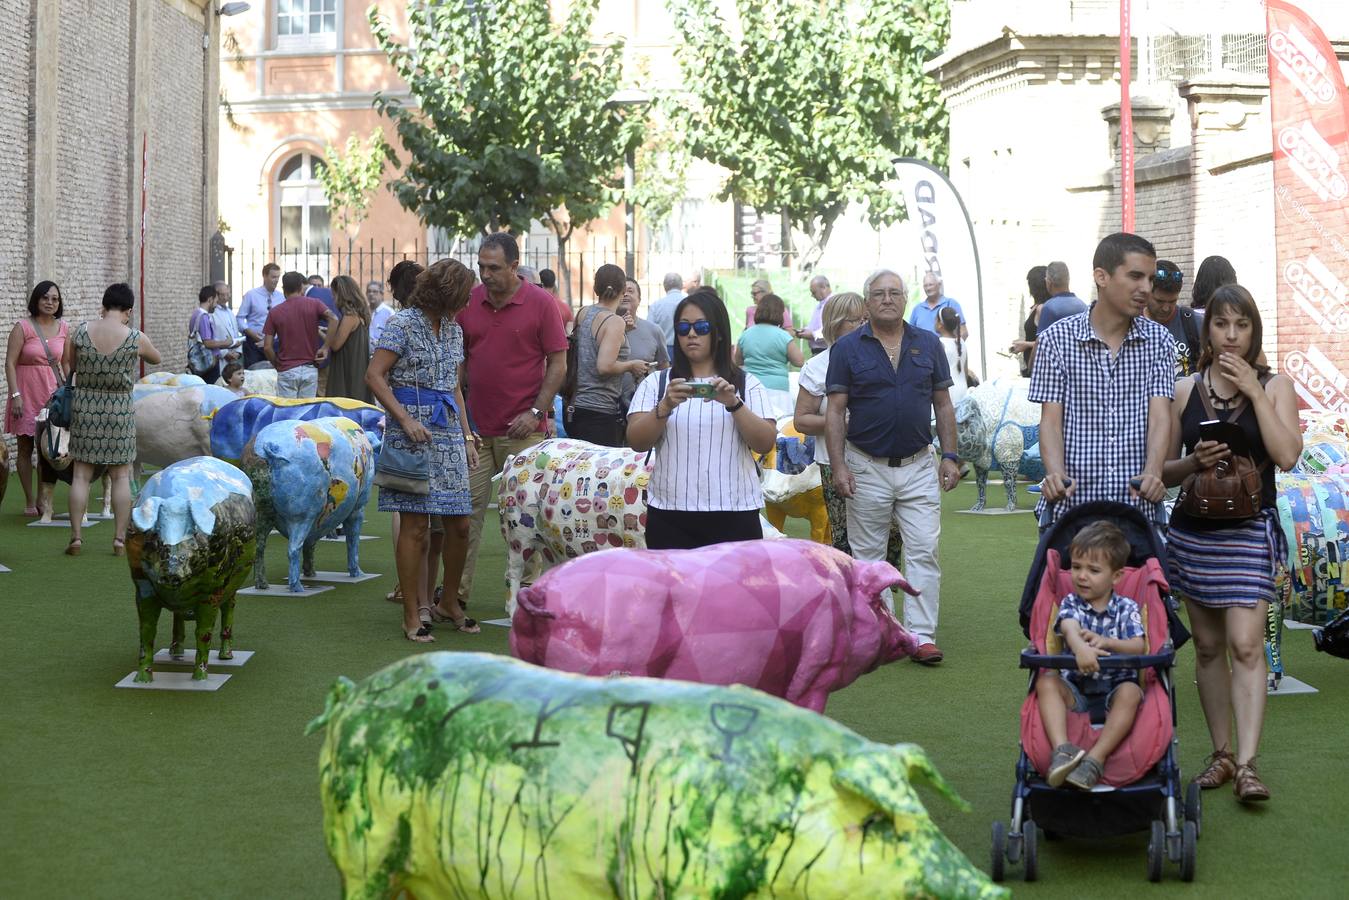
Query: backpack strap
{"points": [[51, 360], [1191, 329]]}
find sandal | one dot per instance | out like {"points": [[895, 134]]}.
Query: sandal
{"points": [[118, 547], [1220, 770], [1247, 785], [395, 595], [424, 614], [74, 547], [440, 592], [420, 636], [465, 624]]}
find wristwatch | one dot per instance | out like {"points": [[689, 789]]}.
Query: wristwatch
{"points": [[951, 456], [537, 413]]}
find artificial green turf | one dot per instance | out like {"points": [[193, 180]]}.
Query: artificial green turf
{"points": [[124, 793]]}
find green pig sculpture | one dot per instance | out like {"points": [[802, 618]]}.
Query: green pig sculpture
{"points": [[474, 775], [190, 547]]}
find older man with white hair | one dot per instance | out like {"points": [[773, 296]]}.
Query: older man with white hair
{"points": [[814, 332], [662, 311], [885, 380]]}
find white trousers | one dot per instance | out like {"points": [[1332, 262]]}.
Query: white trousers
{"points": [[909, 496]]}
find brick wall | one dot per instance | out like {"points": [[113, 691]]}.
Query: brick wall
{"points": [[100, 102], [173, 266], [93, 162]]}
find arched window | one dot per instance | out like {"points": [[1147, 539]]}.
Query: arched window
{"points": [[302, 218]]}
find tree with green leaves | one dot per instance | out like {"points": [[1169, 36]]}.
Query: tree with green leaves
{"points": [[513, 120], [807, 103], [350, 178]]}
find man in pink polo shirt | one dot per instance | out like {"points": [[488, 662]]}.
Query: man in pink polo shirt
{"points": [[515, 360]]}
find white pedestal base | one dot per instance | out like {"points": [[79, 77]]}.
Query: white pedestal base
{"points": [[993, 511], [3, 569], [1290, 685], [503, 623], [341, 539], [162, 658], [1296, 626], [63, 521], [280, 590], [340, 577], [175, 681]]}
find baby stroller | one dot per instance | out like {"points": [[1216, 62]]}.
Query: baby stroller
{"points": [[1141, 788]]}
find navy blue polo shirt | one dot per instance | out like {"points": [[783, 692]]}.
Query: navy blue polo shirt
{"points": [[889, 411]]}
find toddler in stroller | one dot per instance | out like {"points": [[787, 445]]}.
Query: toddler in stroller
{"points": [[1097, 754]]}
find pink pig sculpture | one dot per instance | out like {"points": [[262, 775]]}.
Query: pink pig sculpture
{"points": [[792, 618]]}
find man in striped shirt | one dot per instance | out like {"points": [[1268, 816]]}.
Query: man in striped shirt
{"points": [[1104, 380]]}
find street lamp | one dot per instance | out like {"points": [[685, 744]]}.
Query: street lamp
{"points": [[233, 9], [629, 97]]}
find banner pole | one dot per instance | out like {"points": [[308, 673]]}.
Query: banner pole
{"points": [[145, 180], [1126, 119]]}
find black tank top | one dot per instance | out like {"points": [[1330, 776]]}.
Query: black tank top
{"points": [[1193, 414]]}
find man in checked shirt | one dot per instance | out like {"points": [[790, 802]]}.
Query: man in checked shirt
{"points": [[1104, 380]]}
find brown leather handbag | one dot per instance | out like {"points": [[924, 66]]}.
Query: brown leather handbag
{"points": [[1229, 491]]}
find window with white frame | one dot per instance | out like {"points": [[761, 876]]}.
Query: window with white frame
{"points": [[302, 206], [306, 24]]}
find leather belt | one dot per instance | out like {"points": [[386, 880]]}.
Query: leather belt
{"points": [[896, 462]]}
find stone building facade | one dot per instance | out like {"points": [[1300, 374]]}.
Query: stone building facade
{"points": [[108, 105], [1033, 94]]}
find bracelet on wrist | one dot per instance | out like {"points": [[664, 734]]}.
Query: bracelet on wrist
{"points": [[951, 456], [736, 408]]}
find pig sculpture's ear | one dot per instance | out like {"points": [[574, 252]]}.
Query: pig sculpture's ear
{"points": [[146, 513], [202, 514], [881, 780], [874, 577]]}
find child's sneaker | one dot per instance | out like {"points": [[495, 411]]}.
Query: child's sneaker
{"points": [[1085, 776], [1065, 759]]}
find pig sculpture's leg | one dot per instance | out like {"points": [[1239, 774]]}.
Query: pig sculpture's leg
{"points": [[176, 647], [227, 627], [981, 484], [775, 514], [205, 619], [352, 530], [1009, 473], [263, 530], [299, 537], [147, 611]]}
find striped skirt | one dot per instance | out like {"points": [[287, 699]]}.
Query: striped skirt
{"points": [[1228, 567]]}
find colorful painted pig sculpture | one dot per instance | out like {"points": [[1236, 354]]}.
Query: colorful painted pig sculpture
{"points": [[190, 545], [998, 427], [474, 775], [793, 618], [236, 423], [309, 478], [174, 423]]}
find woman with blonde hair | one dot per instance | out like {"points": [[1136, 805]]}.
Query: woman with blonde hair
{"points": [[351, 341], [842, 314], [415, 375], [760, 289]]}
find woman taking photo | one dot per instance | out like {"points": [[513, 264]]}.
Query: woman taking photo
{"points": [[101, 358], [351, 342], [705, 421], [593, 410], [842, 314], [1225, 570], [415, 375], [765, 349], [1039, 294], [32, 377]]}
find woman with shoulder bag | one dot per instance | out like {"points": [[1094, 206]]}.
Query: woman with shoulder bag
{"points": [[33, 372], [593, 409], [1225, 568], [704, 423], [415, 375], [101, 357]]}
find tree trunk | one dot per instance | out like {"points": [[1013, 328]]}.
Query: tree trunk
{"points": [[563, 266]]}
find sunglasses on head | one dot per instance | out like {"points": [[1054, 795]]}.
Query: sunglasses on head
{"points": [[701, 327], [1172, 279]]}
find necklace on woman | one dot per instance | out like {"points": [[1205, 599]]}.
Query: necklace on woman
{"points": [[1219, 399]]}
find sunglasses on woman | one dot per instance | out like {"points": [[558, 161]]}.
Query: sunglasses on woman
{"points": [[701, 327]]}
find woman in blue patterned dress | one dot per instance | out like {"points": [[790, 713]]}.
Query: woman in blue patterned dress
{"points": [[414, 374]]}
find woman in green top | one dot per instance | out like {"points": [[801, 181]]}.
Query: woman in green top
{"points": [[765, 349]]}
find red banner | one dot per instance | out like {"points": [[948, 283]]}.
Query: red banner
{"points": [[1126, 118], [1310, 115]]}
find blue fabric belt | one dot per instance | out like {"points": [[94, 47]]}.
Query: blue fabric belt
{"points": [[441, 403]]}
